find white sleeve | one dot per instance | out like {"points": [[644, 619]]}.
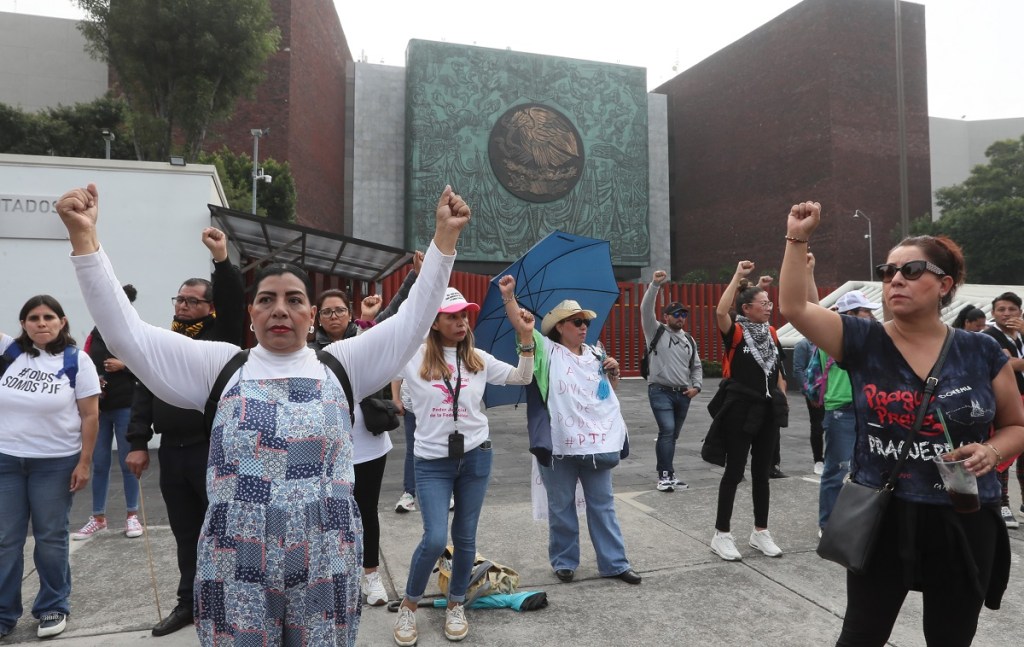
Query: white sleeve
{"points": [[177, 369], [503, 373], [378, 354], [87, 381]]}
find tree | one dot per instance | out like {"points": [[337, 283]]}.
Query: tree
{"points": [[985, 215], [182, 64], [275, 201], [67, 131]]}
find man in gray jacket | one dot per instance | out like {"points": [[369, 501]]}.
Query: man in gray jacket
{"points": [[675, 376]]}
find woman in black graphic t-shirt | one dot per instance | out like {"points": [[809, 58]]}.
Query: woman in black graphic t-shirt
{"points": [[747, 419], [957, 560]]}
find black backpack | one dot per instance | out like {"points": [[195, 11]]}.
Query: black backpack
{"points": [[235, 363]]}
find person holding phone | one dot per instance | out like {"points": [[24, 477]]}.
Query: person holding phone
{"points": [[446, 379]]}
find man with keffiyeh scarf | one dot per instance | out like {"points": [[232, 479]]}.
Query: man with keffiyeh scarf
{"points": [[202, 310], [748, 410]]}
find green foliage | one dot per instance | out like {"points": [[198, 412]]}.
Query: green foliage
{"points": [[182, 64], [711, 368], [985, 215], [67, 131], [275, 201], [695, 276]]}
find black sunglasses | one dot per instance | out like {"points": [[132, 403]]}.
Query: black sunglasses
{"points": [[679, 314], [911, 271], [579, 322]]}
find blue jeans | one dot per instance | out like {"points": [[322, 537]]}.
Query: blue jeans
{"points": [[409, 477], [670, 409], [437, 480], [113, 426], [564, 525], [36, 489], [840, 438]]}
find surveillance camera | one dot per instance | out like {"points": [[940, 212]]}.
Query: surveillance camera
{"points": [[268, 178]]}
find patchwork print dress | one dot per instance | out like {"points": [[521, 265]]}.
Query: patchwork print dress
{"points": [[281, 550]]}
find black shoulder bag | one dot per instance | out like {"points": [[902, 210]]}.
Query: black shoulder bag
{"points": [[852, 530], [645, 361]]}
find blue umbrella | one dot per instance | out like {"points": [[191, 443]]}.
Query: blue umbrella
{"points": [[560, 266]]}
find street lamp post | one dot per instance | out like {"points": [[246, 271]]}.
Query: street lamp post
{"points": [[257, 174], [857, 213], [107, 138]]}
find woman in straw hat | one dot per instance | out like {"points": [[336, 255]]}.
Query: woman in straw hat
{"points": [[578, 436]]}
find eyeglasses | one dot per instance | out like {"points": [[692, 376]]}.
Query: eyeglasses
{"points": [[330, 313], [579, 322], [763, 304], [191, 301], [679, 314], [911, 271]]}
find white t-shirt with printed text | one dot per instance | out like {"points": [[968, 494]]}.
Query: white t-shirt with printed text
{"points": [[40, 410]]}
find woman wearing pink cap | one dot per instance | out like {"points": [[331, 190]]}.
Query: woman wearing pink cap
{"points": [[446, 379]]}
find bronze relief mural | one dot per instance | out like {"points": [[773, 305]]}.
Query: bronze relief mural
{"points": [[536, 153], [535, 143]]}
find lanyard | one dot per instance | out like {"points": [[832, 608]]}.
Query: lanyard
{"points": [[455, 391]]}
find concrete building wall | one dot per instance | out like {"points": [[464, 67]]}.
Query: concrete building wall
{"points": [[302, 101], [659, 222], [957, 146], [153, 244], [771, 120], [43, 63], [377, 154]]}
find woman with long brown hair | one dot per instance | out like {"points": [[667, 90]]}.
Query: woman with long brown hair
{"points": [[446, 379]]}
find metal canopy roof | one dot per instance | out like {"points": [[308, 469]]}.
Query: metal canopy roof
{"points": [[259, 240]]}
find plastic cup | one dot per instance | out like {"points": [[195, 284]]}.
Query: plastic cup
{"points": [[961, 485]]}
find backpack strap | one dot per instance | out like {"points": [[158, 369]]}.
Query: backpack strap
{"points": [[10, 354], [693, 352], [339, 371], [210, 410], [657, 336], [70, 364]]}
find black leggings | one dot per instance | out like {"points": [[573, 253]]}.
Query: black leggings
{"points": [[366, 490], [761, 447], [874, 602]]}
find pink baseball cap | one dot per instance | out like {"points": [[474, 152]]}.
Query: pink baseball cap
{"points": [[455, 302]]}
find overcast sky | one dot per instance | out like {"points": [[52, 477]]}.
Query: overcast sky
{"points": [[975, 53]]}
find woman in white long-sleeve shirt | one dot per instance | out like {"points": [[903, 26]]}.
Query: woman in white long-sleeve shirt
{"points": [[281, 550], [446, 380]]}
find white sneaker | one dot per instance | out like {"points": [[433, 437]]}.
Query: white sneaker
{"points": [[762, 540], [723, 545], [665, 483], [455, 626], [1008, 518], [405, 627], [819, 468], [373, 588], [406, 503], [132, 527]]}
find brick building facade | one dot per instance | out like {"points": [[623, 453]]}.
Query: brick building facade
{"points": [[302, 101], [802, 108]]}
